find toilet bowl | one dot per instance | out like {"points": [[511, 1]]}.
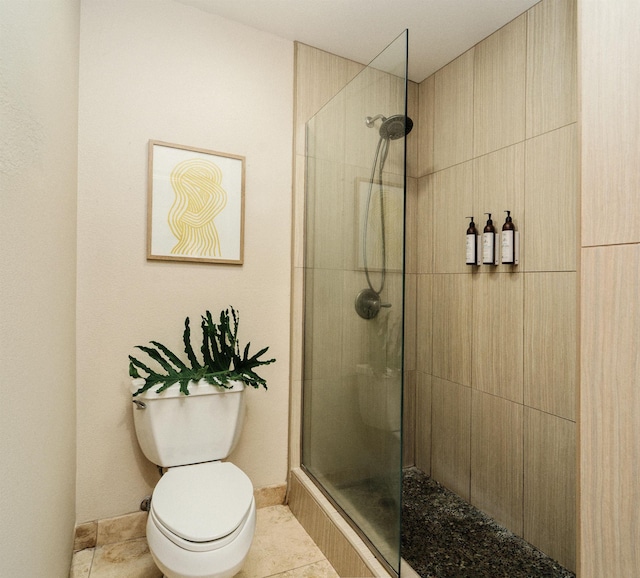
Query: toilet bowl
{"points": [[202, 517]]}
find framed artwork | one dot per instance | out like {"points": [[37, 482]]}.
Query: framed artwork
{"points": [[370, 227], [195, 206]]}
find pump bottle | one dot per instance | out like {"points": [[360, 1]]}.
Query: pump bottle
{"points": [[489, 243], [508, 241], [472, 243]]}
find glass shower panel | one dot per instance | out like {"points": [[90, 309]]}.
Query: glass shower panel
{"points": [[354, 271]]}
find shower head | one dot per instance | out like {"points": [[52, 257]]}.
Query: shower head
{"points": [[392, 128], [396, 126]]}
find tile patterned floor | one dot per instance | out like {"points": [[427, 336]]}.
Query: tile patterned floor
{"points": [[281, 549]]}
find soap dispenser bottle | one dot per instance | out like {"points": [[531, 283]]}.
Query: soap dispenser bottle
{"points": [[489, 242], [472, 243], [507, 248]]}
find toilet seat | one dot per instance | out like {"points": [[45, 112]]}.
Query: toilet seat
{"points": [[202, 507]]}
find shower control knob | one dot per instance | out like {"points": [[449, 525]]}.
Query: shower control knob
{"points": [[368, 304]]}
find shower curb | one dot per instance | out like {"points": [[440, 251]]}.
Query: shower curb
{"points": [[344, 549]]}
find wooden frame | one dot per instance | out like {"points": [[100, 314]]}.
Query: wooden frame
{"points": [[195, 209]]}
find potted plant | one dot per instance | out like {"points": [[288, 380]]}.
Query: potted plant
{"points": [[221, 362]]}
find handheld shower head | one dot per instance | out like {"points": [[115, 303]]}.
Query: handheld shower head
{"points": [[392, 128], [396, 127]]}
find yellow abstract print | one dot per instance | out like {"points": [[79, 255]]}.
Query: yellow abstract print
{"points": [[199, 199]]}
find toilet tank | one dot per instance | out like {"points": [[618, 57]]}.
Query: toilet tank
{"points": [[174, 429]]}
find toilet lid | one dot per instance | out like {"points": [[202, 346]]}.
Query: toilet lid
{"points": [[202, 502]]}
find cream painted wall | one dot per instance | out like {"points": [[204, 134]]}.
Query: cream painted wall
{"points": [[160, 70], [38, 168]]}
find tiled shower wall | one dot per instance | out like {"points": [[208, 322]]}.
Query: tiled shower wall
{"points": [[497, 346], [610, 286], [490, 353]]}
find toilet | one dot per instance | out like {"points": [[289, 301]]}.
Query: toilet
{"points": [[202, 515]]}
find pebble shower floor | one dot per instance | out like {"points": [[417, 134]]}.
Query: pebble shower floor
{"points": [[445, 537]]}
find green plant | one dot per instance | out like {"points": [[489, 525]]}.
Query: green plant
{"points": [[221, 363]]}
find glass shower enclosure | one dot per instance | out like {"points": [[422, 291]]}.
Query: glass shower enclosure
{"points": [[354, 294]]}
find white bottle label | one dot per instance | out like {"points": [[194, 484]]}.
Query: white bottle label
{"points": [[471, 249], [507, 247], [488, 248]]}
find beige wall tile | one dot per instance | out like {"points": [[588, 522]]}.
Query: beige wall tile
{"points": [[355, 192], [298, 211], [610, 84], [388, 323], [412, 138], [497, 334], [423, 423], [370, 93], [375, 343], [319, 76], [498, 186], [550, 340], [426, 100], [453, 121], [297, 316], [496, 459], [551, 66], [451, 315], [411, 226], [327, 192], [393, 193], [409, 411], [324, 297], [550, 485], [610, 411], [295, 424], [425, 222], [410, 321], [424, 331], [499, 88], [450, 435], [452, 203], [333, 418], [551, 191]]}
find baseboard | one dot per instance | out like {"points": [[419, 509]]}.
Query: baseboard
{"points": [[133, 525]]}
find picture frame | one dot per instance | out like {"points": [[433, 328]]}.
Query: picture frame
{"points": [[195, 204]]}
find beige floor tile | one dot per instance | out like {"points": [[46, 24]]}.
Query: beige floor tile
{"points": [[81, 563], [317, 570], [281, 548], [131, 559], [280, 544]]}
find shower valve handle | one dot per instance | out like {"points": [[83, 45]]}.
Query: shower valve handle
{"points": [[368, 303]]}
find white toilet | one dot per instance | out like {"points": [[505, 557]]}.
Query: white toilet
{"points": [[202, 515]]}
